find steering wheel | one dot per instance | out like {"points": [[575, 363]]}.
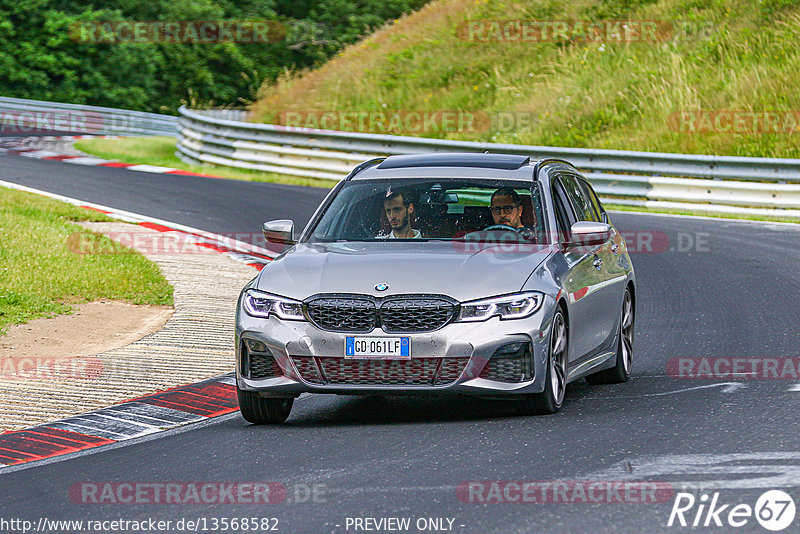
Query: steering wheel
{"points": [[365, 231], [499, 227]]}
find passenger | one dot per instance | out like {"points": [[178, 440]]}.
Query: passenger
{"points": [[399, 211]]}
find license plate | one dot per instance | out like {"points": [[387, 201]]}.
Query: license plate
{"points": [[379, 348]]}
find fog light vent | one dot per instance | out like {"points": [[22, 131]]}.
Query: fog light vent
{"points": [[257, 362], [510, 363], [256, 346], [510, 349]]}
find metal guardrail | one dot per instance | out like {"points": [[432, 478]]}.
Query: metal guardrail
{"points": [[723, 184], [20, 117]]}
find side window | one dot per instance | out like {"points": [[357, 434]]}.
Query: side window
{"points": [[584, 210], [592, 196], [564, 214], [538, 217]]}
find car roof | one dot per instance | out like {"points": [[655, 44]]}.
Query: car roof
{"points": [[507, 162], [452, 165]]}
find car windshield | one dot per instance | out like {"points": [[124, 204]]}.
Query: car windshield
{"points": [[433, 209]]}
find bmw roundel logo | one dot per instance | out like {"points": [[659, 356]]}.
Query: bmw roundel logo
{"points": [[382, 287]]}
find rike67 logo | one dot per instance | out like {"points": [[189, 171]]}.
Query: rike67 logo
{"points": [[774, 510]]}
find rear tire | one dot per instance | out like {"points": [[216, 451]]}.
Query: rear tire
{"points": [[263, 411], [621, 372], [550, 400]]}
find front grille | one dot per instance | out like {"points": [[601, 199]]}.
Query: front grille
{"points": [[417, 372], [343, 314], [394, 314], [263, 366], [414, 372], [504, 370], [415, 315], [451, 369]]}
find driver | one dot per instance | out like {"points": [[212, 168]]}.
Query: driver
{"points": [[506, 208], [399, 211]]}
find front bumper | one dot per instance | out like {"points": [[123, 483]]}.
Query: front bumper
{"points": [[307, 359]]}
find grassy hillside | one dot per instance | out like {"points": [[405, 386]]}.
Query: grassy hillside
{"points": [[711, 55]]}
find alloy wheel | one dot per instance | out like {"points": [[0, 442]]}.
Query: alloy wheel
{"points": [[558, 358], [626, 332]]}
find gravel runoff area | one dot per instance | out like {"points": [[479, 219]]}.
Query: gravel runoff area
{"points": [[59, 145], [195, 343]]}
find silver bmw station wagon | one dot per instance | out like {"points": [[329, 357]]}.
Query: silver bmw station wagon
{"points": [[477, 274]]}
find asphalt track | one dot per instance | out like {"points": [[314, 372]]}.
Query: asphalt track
{"points": [[731, 293], [211, 204]]}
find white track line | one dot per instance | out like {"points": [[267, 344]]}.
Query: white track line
{"points": [[137, 218]]}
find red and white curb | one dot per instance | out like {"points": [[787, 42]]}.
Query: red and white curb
{"points": [[132, 419], [145, 415], [94, 161], [247, 253]]}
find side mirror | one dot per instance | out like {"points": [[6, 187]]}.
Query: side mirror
{"points": [[589, 233], [280, 232]]}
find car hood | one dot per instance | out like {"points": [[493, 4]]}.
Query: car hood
{"points": [[461, 271]]}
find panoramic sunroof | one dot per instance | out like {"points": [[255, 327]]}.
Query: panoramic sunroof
{"points": [[467, 159]]}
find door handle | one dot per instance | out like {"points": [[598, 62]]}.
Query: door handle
{"points": [[614, 248], [597, 262]]}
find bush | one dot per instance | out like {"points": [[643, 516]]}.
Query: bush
{"points": [[43, 57]]}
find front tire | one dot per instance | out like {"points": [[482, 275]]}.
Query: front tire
{"points": [[550, 400], [263, 411], [621, 372]]}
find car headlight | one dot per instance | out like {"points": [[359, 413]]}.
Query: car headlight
{"points": [[259, 304], [514, 306]]}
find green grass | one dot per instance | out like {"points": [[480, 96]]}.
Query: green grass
{"points": [[722, 55], [39, 274], [161, 151]]}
